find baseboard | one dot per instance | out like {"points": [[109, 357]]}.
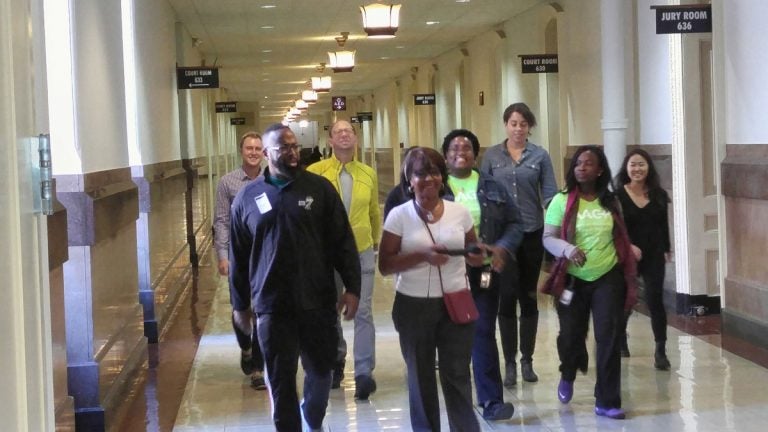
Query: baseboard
{"points": [[744, 328]]}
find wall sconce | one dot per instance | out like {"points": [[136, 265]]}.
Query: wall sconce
{"points": [[301, 104], [379, 20]]}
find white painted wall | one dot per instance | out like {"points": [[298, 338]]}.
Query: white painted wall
{"points": [[157, 103], [98, 84], [85, 68], [654, 98], [745, 64], [580, 75]]}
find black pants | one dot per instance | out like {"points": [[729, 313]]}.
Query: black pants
{"points": [[284, 338], [250, 342], [518, 285], [604, 297], [424, 326], [522, 277], [652, 268]]}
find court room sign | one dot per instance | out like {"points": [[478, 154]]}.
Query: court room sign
{"points": [[237, 121], [539, 63], [226, 107], [683, 19], [424, 99], [192, 78]]}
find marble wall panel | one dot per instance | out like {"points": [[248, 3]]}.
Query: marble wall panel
{"points": [[744, 176], [57, 255]]}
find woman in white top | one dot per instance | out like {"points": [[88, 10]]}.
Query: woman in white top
{"points": [[416, 236]]}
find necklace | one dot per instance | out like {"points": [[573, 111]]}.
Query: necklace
{"points": [[428, 214]]}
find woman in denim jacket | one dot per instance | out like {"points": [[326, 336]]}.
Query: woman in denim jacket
{"points": [[496, 219]]}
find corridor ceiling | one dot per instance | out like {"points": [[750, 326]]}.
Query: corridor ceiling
{"points": [[267, 50]]}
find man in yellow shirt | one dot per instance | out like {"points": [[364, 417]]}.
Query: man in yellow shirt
{"points": [[358, 186]]}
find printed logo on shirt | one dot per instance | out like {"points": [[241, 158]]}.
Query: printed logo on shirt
{"points": [[463, 196], [306, 203], [594, 214]]}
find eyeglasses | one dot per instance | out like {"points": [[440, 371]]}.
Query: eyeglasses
{"points": [[422, 174], [285, 149], [341, 131]]}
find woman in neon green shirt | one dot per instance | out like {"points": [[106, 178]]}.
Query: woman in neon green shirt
{"points": [[583, 224]]}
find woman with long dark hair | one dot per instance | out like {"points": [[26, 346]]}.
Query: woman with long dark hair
{"points": [[525, 170], [644, 204], [583, 224]]}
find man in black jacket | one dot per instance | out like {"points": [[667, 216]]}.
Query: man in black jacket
{"points": [[289, 231]]}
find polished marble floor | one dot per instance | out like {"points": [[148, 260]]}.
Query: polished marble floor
{"points": [[708, 388]]}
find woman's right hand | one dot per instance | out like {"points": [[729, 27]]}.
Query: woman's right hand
{"points": [[578, 257], [434, 257]]}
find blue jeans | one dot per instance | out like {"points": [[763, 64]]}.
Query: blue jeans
{"points": [[485, 352], [364, 348]]}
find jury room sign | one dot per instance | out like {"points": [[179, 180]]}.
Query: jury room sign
{"points": [[683, 19]]}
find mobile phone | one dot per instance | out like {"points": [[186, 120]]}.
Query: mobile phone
{"points": [[471, 249]]}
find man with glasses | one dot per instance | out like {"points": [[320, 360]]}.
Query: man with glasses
{"points": [[289, 233], [358, 187], [252, 153]]}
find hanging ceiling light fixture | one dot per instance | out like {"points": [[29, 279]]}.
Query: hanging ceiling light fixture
{"points": [[321, 84], [380, 20], [342, 61], [309, 96]]}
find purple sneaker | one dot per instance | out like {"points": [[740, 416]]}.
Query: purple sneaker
{"points": [[565, 391], [614, 413]]}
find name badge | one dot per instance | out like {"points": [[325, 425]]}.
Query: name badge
{"points": [[262, 202]]}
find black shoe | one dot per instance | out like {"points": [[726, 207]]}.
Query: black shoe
{"points": [[364, 386], [584, 363], [257, 381], [510, 378], [246, 362], [526, 370], [624, 347], [338, 375], [498, 411], [660, 360]]}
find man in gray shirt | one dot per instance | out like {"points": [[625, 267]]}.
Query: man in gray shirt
{"points": [[252, 153]]}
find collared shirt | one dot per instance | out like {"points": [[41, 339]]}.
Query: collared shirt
{"points": [[286, 241], [530, 181], [228, 186]]}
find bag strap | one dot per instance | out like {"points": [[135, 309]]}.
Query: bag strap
{"points": [[569, 219], [429, 231]]}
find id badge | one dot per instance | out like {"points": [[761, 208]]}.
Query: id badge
{"points": [[485, 279]]}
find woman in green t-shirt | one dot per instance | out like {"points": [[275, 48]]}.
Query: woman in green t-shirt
{"points": [[583, 224]]}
